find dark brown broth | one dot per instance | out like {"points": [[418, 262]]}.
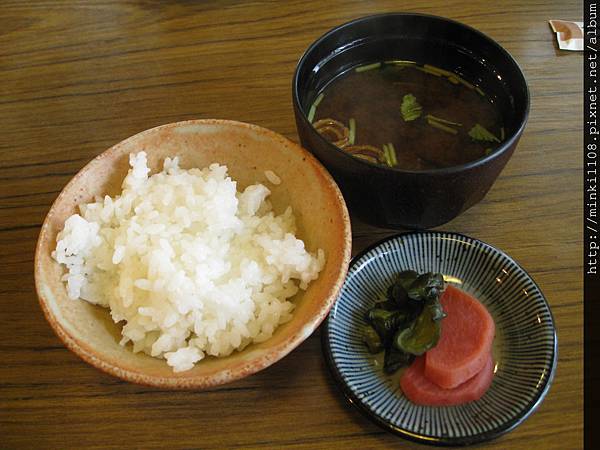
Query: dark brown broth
{"points": [[373, 99]]}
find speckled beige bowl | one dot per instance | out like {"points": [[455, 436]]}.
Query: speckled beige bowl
{"points": [[248, 151]]}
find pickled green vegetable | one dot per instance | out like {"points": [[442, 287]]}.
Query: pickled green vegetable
{"points": [[394, 359], [372, 339], [385, 322], [397, 295], [388, 305], [437, 312], [426, 286], [407, 322], [423, 335], [406, 278], [398, 291]]}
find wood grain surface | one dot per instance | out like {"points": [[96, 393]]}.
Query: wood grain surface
{"points": [[79, 76]]}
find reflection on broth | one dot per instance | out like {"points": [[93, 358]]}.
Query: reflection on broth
{"points": [[409, 116]]}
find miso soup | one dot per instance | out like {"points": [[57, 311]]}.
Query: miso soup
{"points": [[409, 116]]}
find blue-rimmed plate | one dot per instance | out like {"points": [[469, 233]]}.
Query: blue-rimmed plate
{"points": [[525, 345]]}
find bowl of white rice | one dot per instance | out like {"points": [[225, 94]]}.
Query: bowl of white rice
{"points": [[193, 254]]}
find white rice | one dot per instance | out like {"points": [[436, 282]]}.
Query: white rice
{"points": [[191, 266], [272, 177]]}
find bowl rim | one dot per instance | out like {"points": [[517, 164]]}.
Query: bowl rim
{"points": [[505, 147], [351, 398], [249, 367]]}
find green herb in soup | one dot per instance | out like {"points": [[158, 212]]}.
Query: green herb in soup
{"points": [[405, 115]]}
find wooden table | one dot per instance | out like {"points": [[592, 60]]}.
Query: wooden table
{"points": [[77, 77]]}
